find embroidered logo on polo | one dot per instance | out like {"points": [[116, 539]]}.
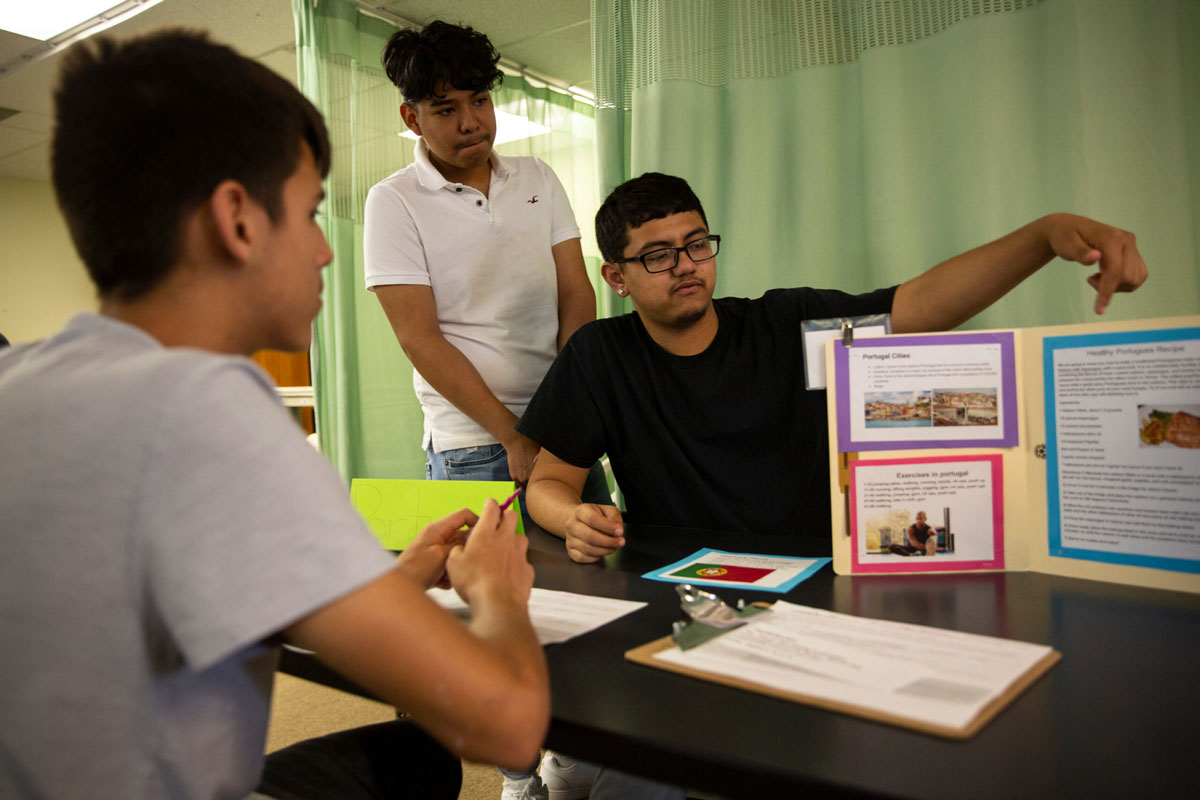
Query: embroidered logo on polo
{"points": [[532, 200]]}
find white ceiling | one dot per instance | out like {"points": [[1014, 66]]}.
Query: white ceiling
{"points": [[550, 36]]}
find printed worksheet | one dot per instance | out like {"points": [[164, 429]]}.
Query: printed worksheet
{"points": [[556, 616], [924, 675]]}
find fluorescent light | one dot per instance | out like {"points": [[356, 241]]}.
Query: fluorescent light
{"points": [[45, 20], [509, 128]]}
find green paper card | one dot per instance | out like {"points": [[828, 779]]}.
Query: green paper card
{"points": [[397, 509]]}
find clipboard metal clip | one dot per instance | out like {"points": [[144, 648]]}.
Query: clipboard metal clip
{"points": [[706, 607], [708, 616], [847, 334]]}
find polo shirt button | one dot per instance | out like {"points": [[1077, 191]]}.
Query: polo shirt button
{"points": [[458, 188], [478, 202]]}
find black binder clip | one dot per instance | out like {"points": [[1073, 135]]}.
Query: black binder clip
{"points": [[847, 334]]}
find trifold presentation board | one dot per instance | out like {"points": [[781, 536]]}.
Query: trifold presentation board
{"points": [[1071, 450]]}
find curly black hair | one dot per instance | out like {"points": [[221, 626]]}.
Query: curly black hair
{"points": [[440, 56]]}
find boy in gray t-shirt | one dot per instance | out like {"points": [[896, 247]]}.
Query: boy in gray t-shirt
{"points": [[164, 524]]}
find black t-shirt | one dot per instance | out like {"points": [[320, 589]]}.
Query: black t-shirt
{"points": [[921, 535], [728, 439]]}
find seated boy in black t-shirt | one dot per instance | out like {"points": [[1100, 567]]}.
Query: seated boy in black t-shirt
{"points": [[699, 403]]}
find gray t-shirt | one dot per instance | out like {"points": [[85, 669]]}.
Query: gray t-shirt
{"points": [[160, 517]]}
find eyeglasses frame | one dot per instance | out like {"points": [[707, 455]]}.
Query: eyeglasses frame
{"points": [[712, 237]]}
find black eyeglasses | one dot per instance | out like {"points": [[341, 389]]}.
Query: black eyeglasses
{"points": [[665, 259]]}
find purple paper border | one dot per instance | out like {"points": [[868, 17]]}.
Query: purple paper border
{"points": [[1008, 380]]}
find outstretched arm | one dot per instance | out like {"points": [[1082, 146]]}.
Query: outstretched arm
{"points": [[959, 288]]}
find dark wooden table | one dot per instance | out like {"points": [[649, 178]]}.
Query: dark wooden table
{"points": [[1115, 718]]}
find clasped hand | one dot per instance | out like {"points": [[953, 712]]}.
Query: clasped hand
{"points": [[594, 531], [471, 553]]}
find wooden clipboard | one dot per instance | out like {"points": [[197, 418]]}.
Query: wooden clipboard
{"points": [[645, 655]]}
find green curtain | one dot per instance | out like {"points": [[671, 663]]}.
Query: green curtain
{"points": [[853, 143], [368, 420]]}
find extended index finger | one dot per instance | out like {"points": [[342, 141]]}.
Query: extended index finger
{"points": [[1121, 267]]}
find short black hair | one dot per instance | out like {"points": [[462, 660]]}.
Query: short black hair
{"points": [[424, 63], [635, 202], [146, 128]]}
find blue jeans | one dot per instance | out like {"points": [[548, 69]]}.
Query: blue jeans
{"points": [[489, 462]]}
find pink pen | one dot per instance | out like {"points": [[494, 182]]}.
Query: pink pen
{"points": [[510, 499]]}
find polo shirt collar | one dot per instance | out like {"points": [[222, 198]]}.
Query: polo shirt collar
{"points": [[427, 173]]}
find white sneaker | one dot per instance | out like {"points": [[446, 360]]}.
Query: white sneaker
{"points": [[566, 778], [530, 788]]}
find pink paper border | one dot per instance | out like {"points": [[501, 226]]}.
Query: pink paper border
{"points": [[996, 562]]}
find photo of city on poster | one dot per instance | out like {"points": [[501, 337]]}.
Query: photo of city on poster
{"points": [[950, 390], [927, 514]]}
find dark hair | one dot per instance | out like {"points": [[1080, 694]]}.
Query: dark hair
{"points": [[424, 63], [635, 202], [146, 128]]}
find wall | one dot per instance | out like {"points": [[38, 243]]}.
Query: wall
{"points": [[42, 281]]}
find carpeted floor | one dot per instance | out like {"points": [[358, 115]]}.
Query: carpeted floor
{"points": [[301, 709]]}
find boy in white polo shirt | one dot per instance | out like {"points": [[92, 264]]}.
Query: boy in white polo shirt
{"points": [[475, 258]]}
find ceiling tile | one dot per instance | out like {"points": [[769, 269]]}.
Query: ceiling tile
{"points": [[33, 164], [566, 55], [549, 36], [14, 140], [282, 61], [31, 121]]}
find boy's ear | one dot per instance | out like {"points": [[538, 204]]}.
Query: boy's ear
{"points": [[231, 207], [614, 277], [409, 114]]}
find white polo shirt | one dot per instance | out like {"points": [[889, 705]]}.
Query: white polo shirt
{"points": [[489, 264]]}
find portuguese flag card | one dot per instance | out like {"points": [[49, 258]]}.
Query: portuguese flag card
{"points": [[764, 573]]}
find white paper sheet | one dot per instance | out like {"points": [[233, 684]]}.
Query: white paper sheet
{"points": [[924, 674], [814, 350], [556, 616]]}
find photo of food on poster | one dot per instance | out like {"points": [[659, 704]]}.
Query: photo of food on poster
{"points": [[927, 514], [905, 392], [1123, 447], [1173, 425]]}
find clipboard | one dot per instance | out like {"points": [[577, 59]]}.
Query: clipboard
{"points": [[645, 655]]}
